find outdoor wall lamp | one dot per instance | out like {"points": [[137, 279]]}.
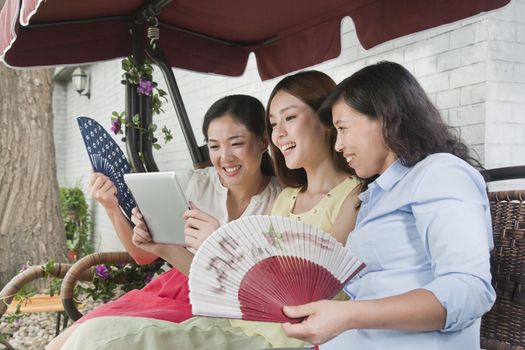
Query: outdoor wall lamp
{"points": [[80, 81]]}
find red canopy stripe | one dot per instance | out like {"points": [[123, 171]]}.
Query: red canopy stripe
{"points": [[216, 36]]}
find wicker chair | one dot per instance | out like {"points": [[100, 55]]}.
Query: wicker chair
{"points": [[503, 327], [77, 271], [30, 274], [80, 271]]}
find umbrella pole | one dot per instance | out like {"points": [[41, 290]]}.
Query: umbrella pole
{"points": [[138, 143], [146, 119], [199, 155], [131, 133]]}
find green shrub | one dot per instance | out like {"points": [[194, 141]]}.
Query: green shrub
{"points": [[77, 223]]}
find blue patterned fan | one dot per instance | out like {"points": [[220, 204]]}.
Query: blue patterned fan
{"points": [[107, 158]]}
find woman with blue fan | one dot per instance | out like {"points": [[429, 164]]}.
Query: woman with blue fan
{"points": [[424, 227], [241, 182], [322, 191]]}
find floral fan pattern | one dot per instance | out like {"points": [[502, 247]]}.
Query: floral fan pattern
{"points": [[106, 157], [252, 267]]}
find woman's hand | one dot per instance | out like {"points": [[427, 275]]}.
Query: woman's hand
{"points": [[325, 319], [141, 236], [103, 191], [175, 254], [198, 227]]}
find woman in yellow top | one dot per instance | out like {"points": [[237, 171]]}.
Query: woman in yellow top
{"points": [[319, 182], [321, 190]]}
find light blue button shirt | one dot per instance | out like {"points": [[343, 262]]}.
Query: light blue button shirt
{"points": [[424, 227]]}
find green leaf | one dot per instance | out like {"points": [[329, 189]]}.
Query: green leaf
{"points": [[152, 127], [136, 120], [156, 146], [49, 268], [167, 134], [126, 63]]}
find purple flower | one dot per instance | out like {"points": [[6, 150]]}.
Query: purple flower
{"points": [[145, 87], [115, 126], [102, 272], [23, 267], [148, 277]]}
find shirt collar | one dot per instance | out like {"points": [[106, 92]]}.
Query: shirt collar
{"points": [[391, 176]]}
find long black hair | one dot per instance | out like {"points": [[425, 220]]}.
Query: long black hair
{"points": [[248, 111], [412, 126]]}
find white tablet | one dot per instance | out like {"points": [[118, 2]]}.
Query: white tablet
{"points": [[162, 203]]}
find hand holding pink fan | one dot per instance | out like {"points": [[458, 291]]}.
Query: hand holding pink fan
{"points": [[252, 267]]}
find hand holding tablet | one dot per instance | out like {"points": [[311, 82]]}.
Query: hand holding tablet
{"points": [[199, 226], [162, 203]]}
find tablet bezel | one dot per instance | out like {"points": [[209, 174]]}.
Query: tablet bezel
{"points": [[162, 202]]}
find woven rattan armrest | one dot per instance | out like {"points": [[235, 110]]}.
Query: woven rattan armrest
{"points": [[503, 327], [30, 274], [83, 268]]}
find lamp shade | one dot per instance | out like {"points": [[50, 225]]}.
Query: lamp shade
{"points": [[79, 79]]}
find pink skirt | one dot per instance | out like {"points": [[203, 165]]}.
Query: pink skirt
{"points": [[164, 298]]}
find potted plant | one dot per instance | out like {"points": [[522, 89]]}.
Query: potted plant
{"points": [[76, 220]]}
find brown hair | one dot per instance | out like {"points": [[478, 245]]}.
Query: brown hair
{"points": [[311, 87]]}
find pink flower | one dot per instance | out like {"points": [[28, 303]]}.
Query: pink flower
{"points": [[102, 272], [116, 127], [148, 277], [145, 87]]}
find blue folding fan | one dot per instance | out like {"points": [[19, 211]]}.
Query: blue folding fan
{"points": [[106, 157]]}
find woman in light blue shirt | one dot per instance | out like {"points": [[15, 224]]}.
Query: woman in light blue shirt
{"points": [[423, 229]]}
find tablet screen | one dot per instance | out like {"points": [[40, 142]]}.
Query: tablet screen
{"points": [[162, 203]]}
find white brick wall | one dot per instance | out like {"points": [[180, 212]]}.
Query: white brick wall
{"points": [[473, 69], [505, 101]]}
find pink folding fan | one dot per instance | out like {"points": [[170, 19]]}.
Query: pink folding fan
{"points": [[252, 267]]}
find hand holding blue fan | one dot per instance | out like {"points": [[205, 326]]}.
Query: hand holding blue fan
{"points": [[107, 158]]}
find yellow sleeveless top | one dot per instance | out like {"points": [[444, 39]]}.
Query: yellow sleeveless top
{"points": [[324, 213], [323, 216]]}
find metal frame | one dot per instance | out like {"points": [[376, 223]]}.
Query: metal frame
{"points": [[139, 147], [506, 173]]}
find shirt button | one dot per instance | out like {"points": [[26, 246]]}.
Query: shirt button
{"points": [[293, 197], [315, 211], [328, 195], [299, 218]]}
